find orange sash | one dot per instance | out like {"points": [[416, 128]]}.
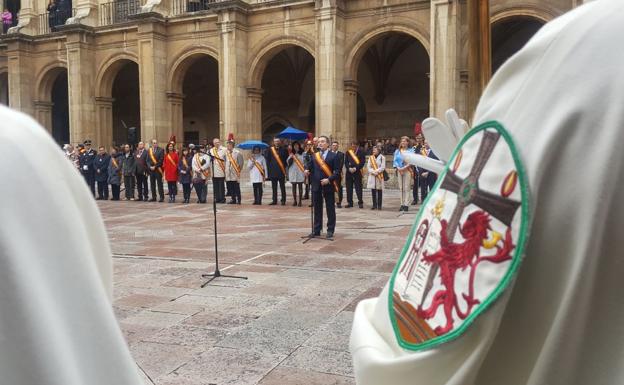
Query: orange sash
{"points": [[375, 167], [171, 160], [410, 168], [153, 158], [326, 170], [259, 167], [278, 159], [184, 162], [115, 164], [233, 163], [198, 160], [215, 153], [298, 162], [355, 158]]}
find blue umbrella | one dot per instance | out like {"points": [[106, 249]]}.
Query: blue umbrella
{"points": [[292, 134], [250, 144]]}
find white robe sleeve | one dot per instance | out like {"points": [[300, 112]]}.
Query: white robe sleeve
{"points": [[57, 325]]}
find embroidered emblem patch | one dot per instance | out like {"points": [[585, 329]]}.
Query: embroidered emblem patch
{"points": [[466, 243]]}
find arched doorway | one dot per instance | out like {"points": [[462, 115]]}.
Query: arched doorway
{"points": [[200, 109], [60, 108], [510, 35], [4, 88], [126, 103], [288, 82], [393, 86]]}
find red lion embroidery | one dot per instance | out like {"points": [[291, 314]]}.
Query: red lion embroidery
{"points": [[460, 256]]}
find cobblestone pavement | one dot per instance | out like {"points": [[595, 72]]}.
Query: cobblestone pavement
{"points": [[289, 323]]}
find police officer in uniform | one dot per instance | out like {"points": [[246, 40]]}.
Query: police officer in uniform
{"points": [[87, 158]]}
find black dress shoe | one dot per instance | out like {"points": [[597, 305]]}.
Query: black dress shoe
{"points": [[349, 206], [153, 200], [299, 204], [361, 205], [272, 203], [314, 235], [283, 203], [374, 208], [338, 205], [329, 235], [414, 203], [401, 208]]}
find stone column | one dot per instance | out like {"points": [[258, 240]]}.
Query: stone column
{"points": [[351, 88], [43, 114], [446, 88], [479, 53], [21, 76], [176, 103], [153, 77], [254, 113], [329, 64], [81, 76], [104, 117], [233, 72]]}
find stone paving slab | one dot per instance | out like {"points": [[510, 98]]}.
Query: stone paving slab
{"points": [[288, 323]]}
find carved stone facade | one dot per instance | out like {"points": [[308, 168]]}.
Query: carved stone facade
{"points": [[348, 68]]}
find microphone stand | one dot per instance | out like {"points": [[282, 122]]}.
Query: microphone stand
{"points": [[217, 273]]}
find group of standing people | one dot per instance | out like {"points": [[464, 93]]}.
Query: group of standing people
{"points": [[194, 166]]}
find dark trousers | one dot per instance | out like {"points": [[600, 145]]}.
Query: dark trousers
{"points": [[296, 186], [257, 189], [377, 198], [426, 184], [156, 179], [234, 190], [330, 203], [115, 188], [307, 190], [200, 189], [186, 190], [218, 185], [172, 188], [354, 180], [141, 180], [282, 185], [129, 184], [102, 189], [415, 188], [90, 179], [339, 183]]}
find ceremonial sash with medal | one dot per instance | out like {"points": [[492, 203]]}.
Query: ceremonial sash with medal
{"points": [[376, 167], [215, 153], [116, 165], [233, 162], [259, 167], [153, 158], [278, 160], [323, 166], [171, 161], [355, 159], [298, 162], [198, 160]]}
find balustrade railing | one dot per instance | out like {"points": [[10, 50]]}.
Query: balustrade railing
{"points": [[118, 11], [180, 7], [50, 21]]}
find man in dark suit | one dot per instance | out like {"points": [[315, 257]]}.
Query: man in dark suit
{"points": [[155, 157], [141, 171], [355, 160], [100, 165], [341, 157], [426, 178], [276, 158], [323, 171]]}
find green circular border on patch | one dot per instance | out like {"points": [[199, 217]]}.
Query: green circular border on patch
{"points": [[517, 257]]}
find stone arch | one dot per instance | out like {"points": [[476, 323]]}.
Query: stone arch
{"points": [[363, 40], [45, 80], [183, 62], [268, 49], [511, 32], [541, 13], [108, 71]]}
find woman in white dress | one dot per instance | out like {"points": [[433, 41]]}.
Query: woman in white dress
{"points": [[376, 165], [296, 177]]}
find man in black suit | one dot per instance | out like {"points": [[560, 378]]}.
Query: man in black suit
{"points": [[341, 157], [323, 171], [276, 157], [155, 157], [354, 162]]}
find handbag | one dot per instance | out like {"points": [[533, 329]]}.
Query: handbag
{"points": [[386, 177]]}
